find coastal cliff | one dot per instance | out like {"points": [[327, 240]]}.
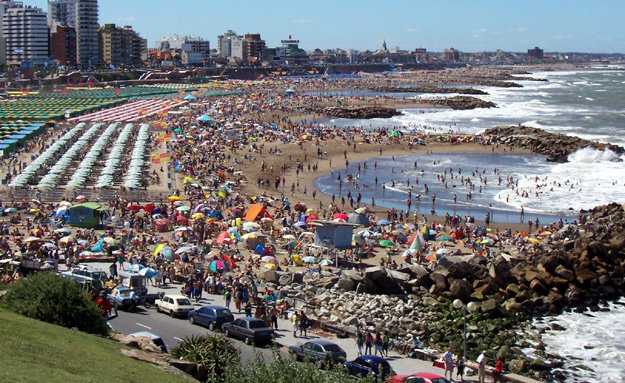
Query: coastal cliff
{"points": [[557, 147]]}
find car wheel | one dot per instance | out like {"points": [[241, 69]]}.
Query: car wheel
{"points": [[147, 305], [158, 308], [211, 326], [171, 312], [227, 333], [247, 340], [191, 320]]}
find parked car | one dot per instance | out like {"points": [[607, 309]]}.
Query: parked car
{"points": [[405, 379], [155, 338], [211, 316], [174, 305], [369, 365], [124, 298], [251, 330], [85, 274], [431, 378], [319, 351]]}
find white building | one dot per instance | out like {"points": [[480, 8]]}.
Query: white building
{"points": [[25, 33], [83, 16]]}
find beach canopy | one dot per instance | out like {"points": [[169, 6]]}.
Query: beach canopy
{"points": [[204, 118]]}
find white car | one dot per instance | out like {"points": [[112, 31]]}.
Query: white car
{"points": [[174, 305]]}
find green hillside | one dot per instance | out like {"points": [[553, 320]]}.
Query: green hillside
{"points": [[34, 351]]}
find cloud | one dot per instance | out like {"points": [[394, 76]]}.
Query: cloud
{"points": [[125, 19], [561, 37], [411, 30], [300, 21], [480, 31]]}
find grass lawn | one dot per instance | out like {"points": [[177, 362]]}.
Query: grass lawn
{"points": [[35, 351]]}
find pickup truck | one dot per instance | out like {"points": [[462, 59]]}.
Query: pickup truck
{"points": [[84, 274], [174, 305]]}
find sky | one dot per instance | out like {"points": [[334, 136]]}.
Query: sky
{"points": [[467, 25]]}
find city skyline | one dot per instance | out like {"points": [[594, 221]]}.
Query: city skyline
{"points": [[563, 26]]}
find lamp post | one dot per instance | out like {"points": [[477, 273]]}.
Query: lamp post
{"points": [[469, 308]]}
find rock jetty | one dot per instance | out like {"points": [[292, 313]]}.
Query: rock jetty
{"points": [[576, 267], [463, 103], [427, 89], [557, 147], [361, 113]]}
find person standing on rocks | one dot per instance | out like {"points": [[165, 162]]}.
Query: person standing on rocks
{"points": [[448, 358]]}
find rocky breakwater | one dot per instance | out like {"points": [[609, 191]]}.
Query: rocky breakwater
{"points": [[463, 103], [557, 147], [366, 112], [578, 267], [426, 89]]}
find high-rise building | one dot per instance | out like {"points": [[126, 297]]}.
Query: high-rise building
{"points": [[4, 5], [253, 46], [535, 53], [224, 44], [451, 54], [83, 16], [110, 44], [26, 35], [119, 46], [63, 44]]}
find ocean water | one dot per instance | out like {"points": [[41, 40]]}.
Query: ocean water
{"points": [[586, 104]]}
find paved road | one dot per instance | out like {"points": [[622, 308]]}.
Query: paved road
{"points": [[173, 330]]}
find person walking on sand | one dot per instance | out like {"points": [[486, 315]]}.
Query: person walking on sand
{"points": [[294, 322], [448, 358]]}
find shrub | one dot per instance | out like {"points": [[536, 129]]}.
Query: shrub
{"points": [[285, 369], [214, 352], [53, 299]]}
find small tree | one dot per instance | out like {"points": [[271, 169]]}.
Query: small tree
{"points": [[53, 299]]}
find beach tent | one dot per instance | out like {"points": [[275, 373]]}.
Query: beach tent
{"points": [[337, 235], [359, 219], [256, 211], [87, 215]]}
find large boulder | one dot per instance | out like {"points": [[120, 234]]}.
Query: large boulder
{"points": [[346, 284], [270, 276], [460, 269], [375, 273], [460, 289]]}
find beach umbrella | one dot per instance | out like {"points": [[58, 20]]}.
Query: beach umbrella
{"points": [[218, 265], [184, 249], [544, 233], [442, 251], [148, 272], [134, 207], [183, 209], [382, 222], [342, 216], [326, 262], [10, 210], [443, 237], [433, 257], [178, 203], [247, 236], [309, 259], [522, 234], [224, 237], [32, 239], [135, 267], [534, 241], [199, 208], [49, 245], [198, 216], [250, 226], [68, 240], [269, 259], [386, 243], [174, 198]]}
